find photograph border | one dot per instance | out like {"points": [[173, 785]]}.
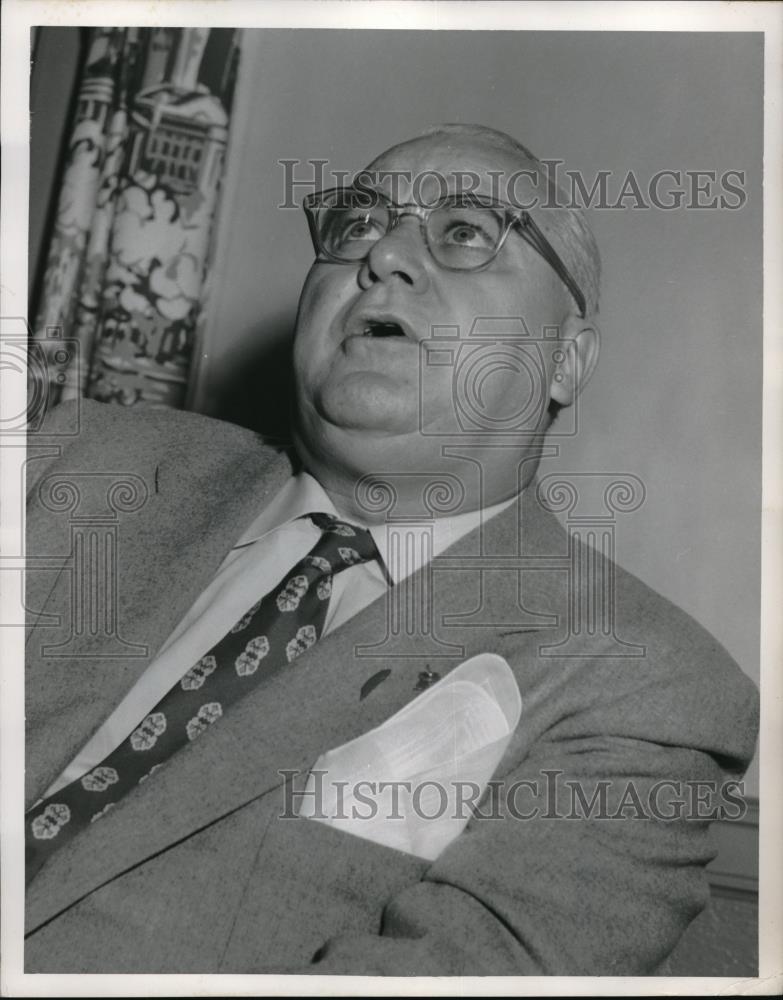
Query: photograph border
{"points": [[17, 17]]}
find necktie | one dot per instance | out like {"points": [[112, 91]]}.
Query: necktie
{"points": [[269, 637]]}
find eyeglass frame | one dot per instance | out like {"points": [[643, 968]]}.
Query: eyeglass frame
{"points": [[514, 217]]}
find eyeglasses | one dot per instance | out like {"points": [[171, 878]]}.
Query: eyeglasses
{"points": [[461, 232]]}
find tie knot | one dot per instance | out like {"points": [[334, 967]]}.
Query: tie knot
{"points": [[348, 544]]}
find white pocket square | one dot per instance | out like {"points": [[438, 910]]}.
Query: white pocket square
{"points": [[410, 783]]}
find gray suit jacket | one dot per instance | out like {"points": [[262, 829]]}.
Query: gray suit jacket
{"points": [[197, 871]]}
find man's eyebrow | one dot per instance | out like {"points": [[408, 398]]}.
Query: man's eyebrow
{"points": [[375, 179]]}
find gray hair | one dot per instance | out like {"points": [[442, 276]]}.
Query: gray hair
{"points": [[565, 226]]}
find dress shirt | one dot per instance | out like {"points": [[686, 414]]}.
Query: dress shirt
{"points": [[276, 540]]}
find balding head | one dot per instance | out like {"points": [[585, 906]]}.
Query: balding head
{"points": [[533, 187]]}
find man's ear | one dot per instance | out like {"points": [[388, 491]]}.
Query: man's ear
{"points": [[575, 359]]}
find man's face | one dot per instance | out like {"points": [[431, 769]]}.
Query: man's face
{"points": [[353, 388]]}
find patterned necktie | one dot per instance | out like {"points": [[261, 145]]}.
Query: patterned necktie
{"points": [[271, 635]]}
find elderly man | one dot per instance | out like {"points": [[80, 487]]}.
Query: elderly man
{"points": [[254, 630]]}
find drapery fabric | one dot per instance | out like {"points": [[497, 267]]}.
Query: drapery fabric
{"points": [[130, 248]]}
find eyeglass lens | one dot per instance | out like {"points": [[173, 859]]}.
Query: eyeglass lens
{"points": [[459, 236]]}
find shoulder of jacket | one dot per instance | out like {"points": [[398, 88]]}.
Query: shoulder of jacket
{"points": [[87, 425], [200, 453]]}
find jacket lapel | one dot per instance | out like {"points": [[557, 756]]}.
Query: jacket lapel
{"points": [[314, 705], [165, 554]]}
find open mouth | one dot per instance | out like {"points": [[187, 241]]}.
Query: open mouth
{"points": [[373, 328], [380, 325]]}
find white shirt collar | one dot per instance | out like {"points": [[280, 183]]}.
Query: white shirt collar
{"points": [[302, 494]]}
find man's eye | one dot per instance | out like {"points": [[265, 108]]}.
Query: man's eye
{"points": [[361, 229], [466, 234], [463, 234]]}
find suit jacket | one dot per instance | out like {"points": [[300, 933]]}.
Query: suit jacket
{"points": [[197, 870]]}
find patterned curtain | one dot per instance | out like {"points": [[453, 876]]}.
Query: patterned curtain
{"points": [[129, 255]]}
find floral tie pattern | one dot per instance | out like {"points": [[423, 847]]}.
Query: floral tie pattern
{"points": [[270, 636]]}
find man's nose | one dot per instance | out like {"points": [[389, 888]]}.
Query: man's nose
{"points": [[401, 254]]}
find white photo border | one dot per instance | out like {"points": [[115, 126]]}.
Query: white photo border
{"points": [[17, 18]]}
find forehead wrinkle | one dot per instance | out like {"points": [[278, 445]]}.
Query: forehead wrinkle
{"points": [[408, 175]]}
